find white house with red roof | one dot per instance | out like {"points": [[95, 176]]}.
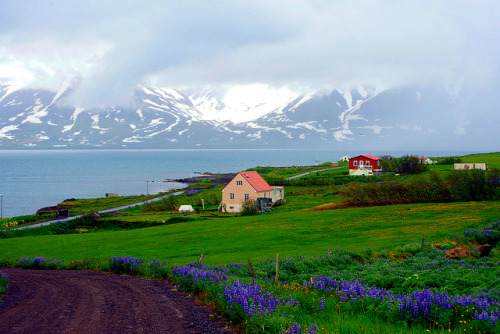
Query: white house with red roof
{"points": [[249, 186], [364, 165], [426, 160]]}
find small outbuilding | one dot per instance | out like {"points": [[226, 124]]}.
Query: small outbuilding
{"points": [[468, 166], [278, 194], [186, 208], [345, 158]]}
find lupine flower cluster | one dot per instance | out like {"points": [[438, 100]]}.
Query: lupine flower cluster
{"points": [[4, 281], [156, 263], [195, 191], [38, 262], [125, 264], [253, 298], [296, 329], [419, 303], [493, 316], [193, 274], [490, 234]]}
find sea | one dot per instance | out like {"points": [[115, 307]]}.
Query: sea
{"points": [[32, 179]]}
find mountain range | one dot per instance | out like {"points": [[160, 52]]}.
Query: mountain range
{"points": [[402, 118]]}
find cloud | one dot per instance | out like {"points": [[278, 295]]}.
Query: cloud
{"points": [[114, 46]]}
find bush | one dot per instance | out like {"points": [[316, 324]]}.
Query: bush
{"points": [[448, 161], [249, 208], [473, 185], [404, 165], [9, 224]]}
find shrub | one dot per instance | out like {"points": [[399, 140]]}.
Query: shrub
{"points": [[9, 224], [404, 165], [471, 185], [448, 160], [248, 208], [475, 185]]}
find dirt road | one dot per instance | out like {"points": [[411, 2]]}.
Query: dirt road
{"points": [[41, 301]]}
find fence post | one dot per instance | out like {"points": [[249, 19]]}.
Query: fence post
{"points": [[201, 259], [423, 239], [277, 268]]}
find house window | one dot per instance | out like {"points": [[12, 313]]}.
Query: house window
{"points": [[265, 195], [247, 196], [355, 163], [239, 183], [368, 162], [231, 208], [378, 162], [361, 163], [231, 196]]}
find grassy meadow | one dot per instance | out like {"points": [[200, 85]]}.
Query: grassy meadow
{"points": [[373, 248], [290, 233]]}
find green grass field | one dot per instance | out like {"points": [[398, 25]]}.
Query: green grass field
{"points": [[290, 233], [492, 159]]}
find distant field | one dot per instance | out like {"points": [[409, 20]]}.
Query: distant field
{"points": [[492, 159], [239, 239]]}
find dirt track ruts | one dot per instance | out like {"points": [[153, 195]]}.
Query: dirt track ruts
{"points": [[44, 301]]}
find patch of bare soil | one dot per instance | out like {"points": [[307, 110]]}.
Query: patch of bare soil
{"points": [[43, 301]]}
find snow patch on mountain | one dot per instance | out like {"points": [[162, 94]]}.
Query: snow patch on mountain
{"points": [[74, 116], [304, 99], [241, 104], [5, 131], [6, 89], [307, 125]]}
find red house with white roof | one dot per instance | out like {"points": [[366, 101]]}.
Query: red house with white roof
{"points": [[364, 165], [245, 186]]}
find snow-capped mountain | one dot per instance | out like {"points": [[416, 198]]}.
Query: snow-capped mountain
{"points": [[243, 117]]}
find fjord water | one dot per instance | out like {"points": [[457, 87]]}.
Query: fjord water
{"points": [[32, 179]]}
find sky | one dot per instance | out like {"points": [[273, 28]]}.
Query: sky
{"points": [[107, 48]]}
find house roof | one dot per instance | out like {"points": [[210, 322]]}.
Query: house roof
{"points": [[367, 156], [256, 181]]}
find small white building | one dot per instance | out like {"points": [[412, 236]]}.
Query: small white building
{"points": [[468, 166], [186, 208], [345, 158], [426, 160], [278, 194]]}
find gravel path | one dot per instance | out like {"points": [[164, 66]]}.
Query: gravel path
{"points": [[43, 301]]}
